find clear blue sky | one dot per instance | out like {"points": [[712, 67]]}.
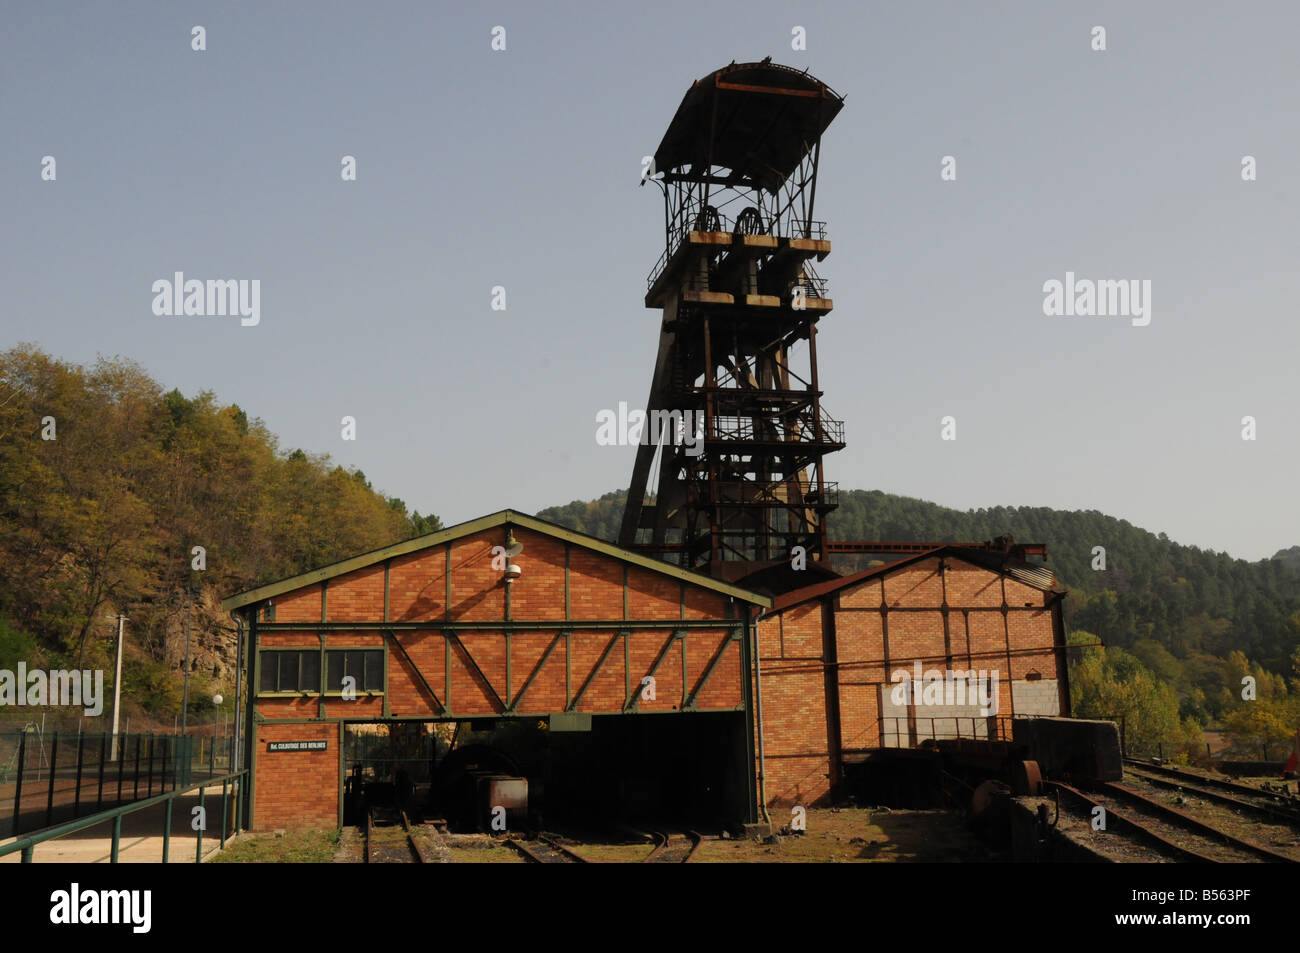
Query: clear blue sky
{"points": [[520, 168]]}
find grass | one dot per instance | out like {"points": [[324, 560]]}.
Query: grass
{"points": [[491, 855], [291, 847], [479, 849], [858, 835], [615, 853]]}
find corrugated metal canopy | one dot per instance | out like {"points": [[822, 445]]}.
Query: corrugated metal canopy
{"points": [[767, 118]]}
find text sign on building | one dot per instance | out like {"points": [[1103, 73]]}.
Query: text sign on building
{"points": [[296, 745]]}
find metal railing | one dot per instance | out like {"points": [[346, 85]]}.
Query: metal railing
{"points": [[813, 285], [801, 430], [777, 493], [27, 845], [49, 778], [944, 728], [692, 221]]}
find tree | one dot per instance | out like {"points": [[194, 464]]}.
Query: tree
{"points": [[108, 485], [1264, 724], [423, 525], [1111, 683]]}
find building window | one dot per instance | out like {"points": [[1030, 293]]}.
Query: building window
{"points": [[297, 671], [364, 665]]}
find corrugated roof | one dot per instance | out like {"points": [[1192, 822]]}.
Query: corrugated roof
{"points": [[757, 119], [512, 517]]}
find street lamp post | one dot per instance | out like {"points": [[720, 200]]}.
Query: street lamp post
{"points": [[212, 754], [117, 685], [185, 701]]}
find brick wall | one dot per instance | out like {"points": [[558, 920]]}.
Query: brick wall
{"points": [[795, 739], [884, 625], [296, 788]]}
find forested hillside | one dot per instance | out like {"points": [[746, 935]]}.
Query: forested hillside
{"points": [[107, 485]]}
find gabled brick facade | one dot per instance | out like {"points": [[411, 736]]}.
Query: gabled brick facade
{"points": [[576, 632], [830, 655]]}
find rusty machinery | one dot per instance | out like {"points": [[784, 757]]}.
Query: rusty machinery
{"points": [[1077, 751]]}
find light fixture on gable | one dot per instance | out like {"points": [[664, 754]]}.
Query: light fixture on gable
{"points": [[513, 549]]}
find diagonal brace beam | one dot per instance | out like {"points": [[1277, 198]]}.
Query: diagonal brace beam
{"points": [[392, 638], [632, 702], [708, 672], [609, 647], [514, 702], [473, 665]]}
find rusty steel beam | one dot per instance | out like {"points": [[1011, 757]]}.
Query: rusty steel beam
{"points": [[843, 546]]}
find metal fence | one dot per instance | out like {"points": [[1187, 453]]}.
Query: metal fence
{"points": [[902, 732], [695, 218], [1259, 750], [375, 756], [49, 779], [234, 788]]}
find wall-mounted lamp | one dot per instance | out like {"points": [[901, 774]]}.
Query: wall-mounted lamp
{"points": [[513, 549]]}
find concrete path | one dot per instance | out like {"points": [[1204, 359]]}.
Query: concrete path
{"points": [[142, 835]]}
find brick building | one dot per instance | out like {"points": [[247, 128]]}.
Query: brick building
{"points": [[511, 618], [833, 655], [441, 629]]}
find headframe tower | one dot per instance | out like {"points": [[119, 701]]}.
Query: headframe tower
{"points": [[738, 339]]}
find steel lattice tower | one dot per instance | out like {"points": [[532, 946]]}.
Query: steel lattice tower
{"points": [[738, 339]]}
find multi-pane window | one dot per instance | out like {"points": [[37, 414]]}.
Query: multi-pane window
{"points": [[297, 671], [366, 666], [300, 670]]}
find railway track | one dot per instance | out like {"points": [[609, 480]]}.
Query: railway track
{"points": [[1134, 842], [1207, 839], [1167, 830], [388, 838], [1251, 801], [545, 849], [673, 848]]}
